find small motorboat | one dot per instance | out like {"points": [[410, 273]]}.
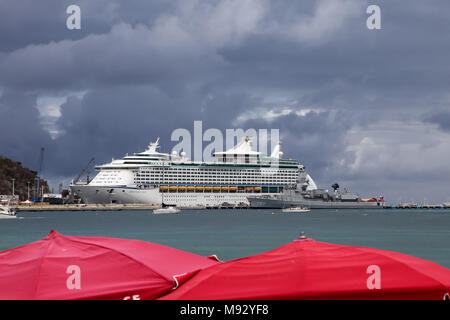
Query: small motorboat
{"points": [[6, 212], [167, 209], [296, 209]]}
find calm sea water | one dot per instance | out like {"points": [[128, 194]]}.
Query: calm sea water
{"points": [[233, 234]]}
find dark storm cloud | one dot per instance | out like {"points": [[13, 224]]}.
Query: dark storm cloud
{"points": [[21, 135], [31, 22], [138, 70], [134, 116], [442, 119], [40, 22], [313, 138]]}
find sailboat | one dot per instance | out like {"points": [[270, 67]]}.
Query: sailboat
{"points": [[296, 209], [446, 205], [168, 209]]}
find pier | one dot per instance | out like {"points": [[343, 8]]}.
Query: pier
{"points": [[114, 207], [424, 206], [85, 207], [137, 206]]}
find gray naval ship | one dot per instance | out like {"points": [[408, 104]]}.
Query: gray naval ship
{"points": [[302, 195]]}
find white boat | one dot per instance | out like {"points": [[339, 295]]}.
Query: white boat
{"points": [[7, 212], [296, 209], [166, 210]]}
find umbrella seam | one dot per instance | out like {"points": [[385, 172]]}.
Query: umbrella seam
{"points": [[40, 268]]}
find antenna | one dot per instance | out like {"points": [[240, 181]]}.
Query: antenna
{"points": [[38, 176]]}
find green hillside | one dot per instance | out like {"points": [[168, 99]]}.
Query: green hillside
{"points": [[9, 170]]}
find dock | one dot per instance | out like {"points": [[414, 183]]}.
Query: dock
{"points": [[424, 206], [109, 207], [37, 207], [85, 207]]}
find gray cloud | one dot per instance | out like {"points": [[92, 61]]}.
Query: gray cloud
{"points": [[21, 135], [346, 99], [442, 119]]}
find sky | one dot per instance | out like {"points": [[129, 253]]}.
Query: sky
{"points": [[369, 109]]}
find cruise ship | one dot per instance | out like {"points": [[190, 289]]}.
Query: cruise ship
{"points": [[153, 177], [230, 180]]}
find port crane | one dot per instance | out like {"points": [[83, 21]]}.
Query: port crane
{"points": [[83, 171]]}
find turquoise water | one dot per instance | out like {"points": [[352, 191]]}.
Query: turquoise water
{"points": [[237, 233]]}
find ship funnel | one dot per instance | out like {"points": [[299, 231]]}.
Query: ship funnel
{"points": [[335, 186]]}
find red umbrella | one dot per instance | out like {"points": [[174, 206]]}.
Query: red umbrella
{"points": [[62, 267], [307, 269]]}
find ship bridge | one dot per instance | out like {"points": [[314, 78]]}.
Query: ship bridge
{"points": [[149, 156]]}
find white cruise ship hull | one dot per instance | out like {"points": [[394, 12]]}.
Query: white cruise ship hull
{"points": [[128, 195], [111, 194]]}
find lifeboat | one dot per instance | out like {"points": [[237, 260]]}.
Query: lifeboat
{"points": [[208, 188], [182, 188], [248, 189], [258, 189], [199, 188], [173, 188], [216, 188], [190, 188], [232, 189], [163, 188], [224, 188]]}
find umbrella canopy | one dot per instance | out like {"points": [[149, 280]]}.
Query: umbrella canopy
{"points": [[307, 269], [64, 267]]}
